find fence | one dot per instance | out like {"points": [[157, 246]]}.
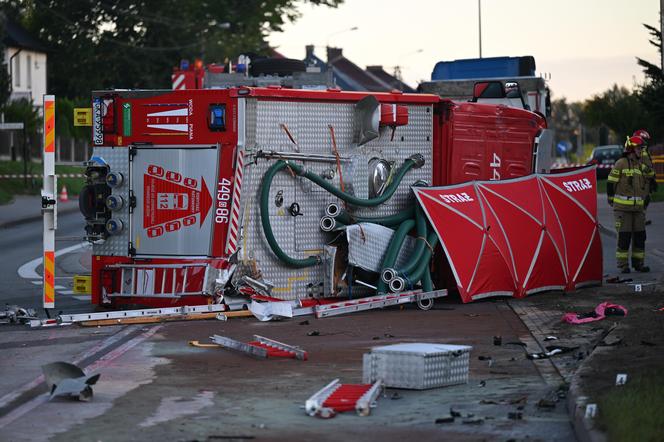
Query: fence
{"points": [[67, 150]]}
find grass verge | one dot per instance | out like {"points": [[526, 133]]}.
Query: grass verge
{"points": [[18, 186], [656, 197], [633, 412]]}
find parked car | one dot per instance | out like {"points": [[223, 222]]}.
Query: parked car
{"points": [[604, 157]]}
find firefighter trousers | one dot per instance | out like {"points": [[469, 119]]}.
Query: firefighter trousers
{"points": [[631, 229]]}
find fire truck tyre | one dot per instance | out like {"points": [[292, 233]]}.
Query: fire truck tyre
{"points": [[389, 221], [276, 66], [393, 250], [421, 224], [267, 228], [414, 161]]}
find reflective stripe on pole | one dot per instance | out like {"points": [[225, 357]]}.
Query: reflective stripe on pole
{"points": [[49, 202]]}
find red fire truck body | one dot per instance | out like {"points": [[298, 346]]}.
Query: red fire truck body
{"points": [[176, 199]]}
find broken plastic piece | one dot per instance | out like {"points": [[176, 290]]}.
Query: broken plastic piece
{"points": [[65, 379]]}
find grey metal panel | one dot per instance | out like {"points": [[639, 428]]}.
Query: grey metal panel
{"points": [[367, 244], [300, 236], [199, 164], [118, 160]]}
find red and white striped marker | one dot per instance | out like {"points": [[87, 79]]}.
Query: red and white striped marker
{"points": [[49, 203], [178, 82], [231, 243]]}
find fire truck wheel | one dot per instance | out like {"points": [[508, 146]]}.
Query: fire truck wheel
{"points": [[276, 66]]}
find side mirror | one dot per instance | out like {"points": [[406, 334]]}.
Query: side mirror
{"points": [[488, 89]]}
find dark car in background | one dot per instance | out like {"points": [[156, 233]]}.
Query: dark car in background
{"points": [[604, 157]]}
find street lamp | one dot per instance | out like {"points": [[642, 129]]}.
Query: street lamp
{"points": [[354, 28], [479, 19]]}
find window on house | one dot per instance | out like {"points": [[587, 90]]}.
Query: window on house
{"points": [[28, 70], [17, 70]]}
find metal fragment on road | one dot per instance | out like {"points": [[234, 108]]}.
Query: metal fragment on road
{"points": [[65, 379], [240, 346]]}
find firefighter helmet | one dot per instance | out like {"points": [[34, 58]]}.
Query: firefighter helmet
{"points": [[645, 136], [632, 143]]}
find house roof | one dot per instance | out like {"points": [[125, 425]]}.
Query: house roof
{"points": [[17, 36], [349, 75], [388, 80]]}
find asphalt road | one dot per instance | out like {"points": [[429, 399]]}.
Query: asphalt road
{"points": [[21, 247]]}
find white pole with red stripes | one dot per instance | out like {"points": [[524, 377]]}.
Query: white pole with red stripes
{"points": [[49, 202]]}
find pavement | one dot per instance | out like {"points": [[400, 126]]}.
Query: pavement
{"points": [[154, 382], [25, 208]]}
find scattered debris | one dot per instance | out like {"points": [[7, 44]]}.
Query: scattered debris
{"points": [[551, 338], [546, 404], [482, 384], [387, 335], [305, 322], [444, 420], [336, 397], [65, 379], [13, 314], [610, 341], [515, 415], [313, 333], [454, 413], [618, 280], [519, 343], [601, 311], [648, 343], [198, 344], [262, 347], [473, 421], [497, 340], [551, 351], [484, 358], [395, 396]]}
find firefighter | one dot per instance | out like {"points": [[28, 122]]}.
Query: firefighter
{"points": [[647, 160], [627, 189]]}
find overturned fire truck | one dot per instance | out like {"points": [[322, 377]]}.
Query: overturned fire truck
{"points": [[199, 196]]}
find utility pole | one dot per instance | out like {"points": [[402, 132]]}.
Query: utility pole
{"points": [[479, 19]]}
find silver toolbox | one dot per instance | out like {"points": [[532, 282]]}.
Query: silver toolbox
{"points": [[417, 366]]}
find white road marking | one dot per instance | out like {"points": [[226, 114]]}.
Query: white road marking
{"points": [[29, 269]]}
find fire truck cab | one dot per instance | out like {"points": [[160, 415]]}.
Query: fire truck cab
{"points": [[197, 195]]}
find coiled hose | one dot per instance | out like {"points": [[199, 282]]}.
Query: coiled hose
{"points": [[421, 224], [388, 221], [393, 251], [414, 161]]}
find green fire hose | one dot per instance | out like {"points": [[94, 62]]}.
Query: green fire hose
{"points": [[389, 221], [414, 161], [393, 250]]}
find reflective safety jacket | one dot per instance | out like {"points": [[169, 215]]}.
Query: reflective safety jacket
{"points": [[627, 184]]}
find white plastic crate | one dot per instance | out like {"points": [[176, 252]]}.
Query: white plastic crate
{"points": [[417, 366]]}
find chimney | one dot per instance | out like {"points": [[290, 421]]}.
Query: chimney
{"points": [[309, 51], [333, 54]]}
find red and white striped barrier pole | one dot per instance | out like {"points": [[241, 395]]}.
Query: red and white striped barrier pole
{"points": [[49, 202]]}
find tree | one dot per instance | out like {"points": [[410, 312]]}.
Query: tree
{"points": [[651, 93], [98, 44], [618, 108], [5, 86]]}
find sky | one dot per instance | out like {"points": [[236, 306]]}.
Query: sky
{"points": [[585, 46]]}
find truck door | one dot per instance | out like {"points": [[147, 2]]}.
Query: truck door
{"points": [[172, 187]]}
